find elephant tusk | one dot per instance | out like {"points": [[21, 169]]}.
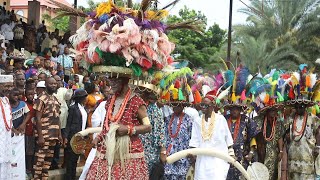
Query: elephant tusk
{"points": [[207, 152]]}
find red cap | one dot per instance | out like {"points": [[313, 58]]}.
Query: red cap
{"points": [[211, 95]]}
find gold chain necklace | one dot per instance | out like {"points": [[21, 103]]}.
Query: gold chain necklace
{"points": [[207, 133]]}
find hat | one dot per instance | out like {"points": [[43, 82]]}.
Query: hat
{"points": [[143, 86], [237, 96], [6, 78], [175, 89], [267, 93], [302, 87], [132, 40], [78, 93], [41, 84]]}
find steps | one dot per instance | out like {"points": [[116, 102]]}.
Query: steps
{"points": [[58, 174]]}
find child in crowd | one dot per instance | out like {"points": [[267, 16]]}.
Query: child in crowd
{"points": [[20, 114], [29, 138]]}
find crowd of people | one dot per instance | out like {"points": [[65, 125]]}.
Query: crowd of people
{"points": [[135, 107], [46, 112]]}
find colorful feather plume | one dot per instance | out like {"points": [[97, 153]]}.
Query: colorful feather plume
{"points": [[180, 64], [228, 76], [169, 79], [241, 80], [316, 90], [256, 86]]}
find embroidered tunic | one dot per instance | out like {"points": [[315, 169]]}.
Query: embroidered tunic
{"points": [[136, 167], [268, 150], [178, 170], [247, 130], [300, 157], [156, 139]]}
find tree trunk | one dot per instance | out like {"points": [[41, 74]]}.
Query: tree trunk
{"points": [[130, 4]]}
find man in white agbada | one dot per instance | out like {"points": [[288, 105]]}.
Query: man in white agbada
{"points": [[211, 131], [6, 84]]}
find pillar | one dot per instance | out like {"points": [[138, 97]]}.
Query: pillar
{"points": [[74, 24], [34, 12]]}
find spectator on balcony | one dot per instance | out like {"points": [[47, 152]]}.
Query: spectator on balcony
{"points": [[7, 30], [18, 36]]}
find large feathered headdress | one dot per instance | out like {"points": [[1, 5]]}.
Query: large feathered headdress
{"points": [[302, 87], [126, 39]]}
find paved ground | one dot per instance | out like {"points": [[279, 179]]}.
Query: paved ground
{"points": [[59, 173]]}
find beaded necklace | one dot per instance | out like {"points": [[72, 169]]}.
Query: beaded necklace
{"points": [[177, 130], [207, 133], [236, 129], [273, 128], [294, 127], [178, 126], [116, 117], [8, 127]]}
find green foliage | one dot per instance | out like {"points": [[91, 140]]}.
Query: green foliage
{"points": [[283, 34], [192, 46], [57, 23]]}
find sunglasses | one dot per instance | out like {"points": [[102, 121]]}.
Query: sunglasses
{"points": [[204, 106]]}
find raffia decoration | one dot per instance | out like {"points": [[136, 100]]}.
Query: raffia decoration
{"points": [[113, 71]]}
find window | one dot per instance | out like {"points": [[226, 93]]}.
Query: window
{"points": [[19, 12]]}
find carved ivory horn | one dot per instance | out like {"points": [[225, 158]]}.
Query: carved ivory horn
{"points": [[207, 152], [90, 131]]}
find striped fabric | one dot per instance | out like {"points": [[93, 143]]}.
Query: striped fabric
{"points": [[50, 108], [43, 158]]}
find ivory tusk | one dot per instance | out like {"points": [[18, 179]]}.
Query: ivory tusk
{"points": [[90, 131], [207, 152]]}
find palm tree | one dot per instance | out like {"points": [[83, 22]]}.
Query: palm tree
{"points": [[255, 54], [287, 25]]}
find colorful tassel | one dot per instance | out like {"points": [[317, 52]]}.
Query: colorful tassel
{"points": [[280, 97], [298, 89], [233, 97], [291, 93], [181, 97], [243, 95], [197, 97], [166, 96], [175, 93], [317, 108], [218, 101], [308, 81], [266, 99]]}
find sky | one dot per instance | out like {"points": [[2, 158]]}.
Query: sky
{"points": [[217, 11]]}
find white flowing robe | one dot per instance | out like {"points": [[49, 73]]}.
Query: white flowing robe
{"points": [[211, 167], [5, 141]]}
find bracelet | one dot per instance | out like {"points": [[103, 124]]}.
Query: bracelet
{"points": [[281, 151], [134, 131], [146, 121]]}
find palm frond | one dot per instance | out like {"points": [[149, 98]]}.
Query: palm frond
{"points": [[64, 9], [171, 4], [192, 25]]}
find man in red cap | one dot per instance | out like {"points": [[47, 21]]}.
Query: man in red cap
{"points": [[211, 131]]}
